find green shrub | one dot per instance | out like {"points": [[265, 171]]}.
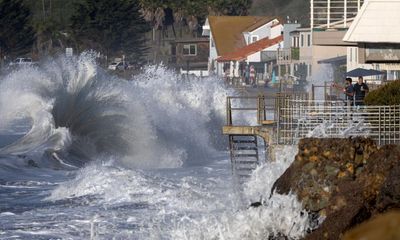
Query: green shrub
{"points": [[388, 94]]}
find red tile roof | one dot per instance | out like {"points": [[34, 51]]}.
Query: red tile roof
{"points": [[244, 52]]}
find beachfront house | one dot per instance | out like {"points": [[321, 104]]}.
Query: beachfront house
{"points": [[376, 35], [243, 48], [294, 59], [189, 56], [301, 42]]}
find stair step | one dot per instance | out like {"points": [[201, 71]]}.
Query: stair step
{"points": [[245, 155], [244, 141], [246, 162], [246, 148], [247, 170]]}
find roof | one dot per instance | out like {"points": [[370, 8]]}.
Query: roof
{"points": [[336, 60], [244, 52], [227, 31], [261, 23], [377, 22]]}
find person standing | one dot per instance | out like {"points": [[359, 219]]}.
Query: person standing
{"points": [[252, 75], [348, 91], [360, 90]]}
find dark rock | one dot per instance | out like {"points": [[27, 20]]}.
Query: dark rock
{"points": [[345, 181]]}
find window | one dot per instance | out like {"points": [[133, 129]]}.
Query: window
{"points": [[351, 54], [356, 55], [190, 49], [302, 40], [254, 39], [308, 40]]}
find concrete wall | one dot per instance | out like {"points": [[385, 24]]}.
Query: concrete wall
{"points": [[324, 52], [330, 38]]}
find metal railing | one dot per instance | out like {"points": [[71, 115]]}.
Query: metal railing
{"points": [[333, 13], [263, 107], [298, 117]]}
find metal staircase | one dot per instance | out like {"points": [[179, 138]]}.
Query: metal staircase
{"points": [[244, 155]]}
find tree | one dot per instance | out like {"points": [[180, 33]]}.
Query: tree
{"points": [[114, 27], [16, 33], [190, 9]]}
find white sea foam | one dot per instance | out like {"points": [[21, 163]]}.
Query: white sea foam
{"points": [[75, 109], [155, 120]]}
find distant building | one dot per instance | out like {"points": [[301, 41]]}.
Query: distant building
{"points": [[190, 56], [329, 21], [241, 43], [375, 33]]}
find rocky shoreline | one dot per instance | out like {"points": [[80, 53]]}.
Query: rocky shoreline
{"points": [[343, 182]]}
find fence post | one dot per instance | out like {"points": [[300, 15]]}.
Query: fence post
{"points": [[228, 111], [260, 109]]}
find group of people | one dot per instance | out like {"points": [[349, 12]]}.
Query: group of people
{"points": [[355, 93]]}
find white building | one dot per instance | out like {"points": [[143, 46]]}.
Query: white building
{"points": [[239, 40], [375, 32]]}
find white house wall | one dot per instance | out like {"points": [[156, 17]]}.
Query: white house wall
{"points": [[276, 31], [262, 32], [256, 57], [213, 53], [377, 21]]}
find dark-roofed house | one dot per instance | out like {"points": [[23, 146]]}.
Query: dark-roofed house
{"points": [[237, 42]]}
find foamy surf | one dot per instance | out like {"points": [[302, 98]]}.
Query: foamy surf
{"points": [[149, 154]]}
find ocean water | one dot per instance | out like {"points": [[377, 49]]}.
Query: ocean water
{"points": [[85, 155]]}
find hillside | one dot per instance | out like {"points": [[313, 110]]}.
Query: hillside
{"points": [[297, 9]]}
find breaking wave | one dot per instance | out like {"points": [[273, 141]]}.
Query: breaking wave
{"points": [[70, 111]]}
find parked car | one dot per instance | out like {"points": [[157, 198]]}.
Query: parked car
{"points": [[22, 62], [117, 66]]}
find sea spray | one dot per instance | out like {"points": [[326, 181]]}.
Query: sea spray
{"points": [[80, 112]]}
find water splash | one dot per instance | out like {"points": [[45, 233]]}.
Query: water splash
{"points": [[74, 108]]}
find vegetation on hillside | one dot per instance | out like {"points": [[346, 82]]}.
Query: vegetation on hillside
{"points": [[16, 32], [296, 9], [388, 94], [111, 27], [115, 27]]}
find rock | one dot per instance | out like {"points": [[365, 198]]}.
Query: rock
{"points": [[347, 181], [383, 227]]}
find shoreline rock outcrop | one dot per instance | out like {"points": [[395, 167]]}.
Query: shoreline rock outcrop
{"points": [[343, 181]]}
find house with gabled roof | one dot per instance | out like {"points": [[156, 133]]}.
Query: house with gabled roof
{"points": [[237, 41]]}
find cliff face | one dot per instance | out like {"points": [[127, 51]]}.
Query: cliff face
{"points": [[343, 181]]}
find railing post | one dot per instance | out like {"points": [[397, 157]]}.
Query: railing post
{"points": [[312, 92], [260, 109], [228, 111]]}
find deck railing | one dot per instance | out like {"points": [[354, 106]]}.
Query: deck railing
{"points": [[300, 119], [297, 117], [263, 107]]}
